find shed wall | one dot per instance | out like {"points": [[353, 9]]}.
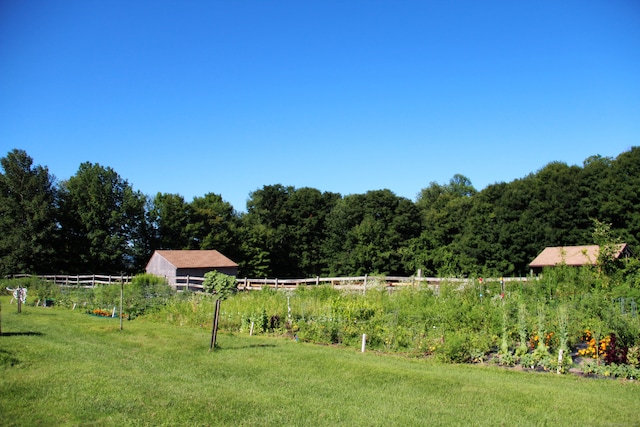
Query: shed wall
{"points": [[161, 267]]}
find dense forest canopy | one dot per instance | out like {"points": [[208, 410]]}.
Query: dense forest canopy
{"points": [[95, 222]]}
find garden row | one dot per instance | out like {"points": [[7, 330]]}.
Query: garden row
{"points": [[569, 316]]}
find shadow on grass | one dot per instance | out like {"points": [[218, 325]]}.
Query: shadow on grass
{"points": [[19, 334], [7, 359], [240, 347]]}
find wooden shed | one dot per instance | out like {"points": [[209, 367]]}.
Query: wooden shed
{"points": [[194, 263], [575, 256]]}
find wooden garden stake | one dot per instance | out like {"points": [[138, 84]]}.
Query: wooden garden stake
{"points": [[214, 332], [121, 299], [560, 354]]}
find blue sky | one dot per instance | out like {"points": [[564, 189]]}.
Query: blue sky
{"points": [[192, 97]]}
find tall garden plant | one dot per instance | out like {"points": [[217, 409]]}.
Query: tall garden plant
{"points": [[221, 286]]}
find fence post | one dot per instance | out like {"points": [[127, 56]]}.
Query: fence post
{"points": [[276, 283]]}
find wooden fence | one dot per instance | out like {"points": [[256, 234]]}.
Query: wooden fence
{"points": [[362, 283], [85, 280], [358, 283]]}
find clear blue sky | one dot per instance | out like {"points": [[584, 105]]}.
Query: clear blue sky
{"points": [[193, 97]]}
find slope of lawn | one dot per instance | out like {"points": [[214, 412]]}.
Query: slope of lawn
{"points": [[64, 367]]}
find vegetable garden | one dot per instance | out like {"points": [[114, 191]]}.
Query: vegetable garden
{"points": [[569, 319]]}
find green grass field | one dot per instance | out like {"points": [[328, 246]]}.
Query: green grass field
{"points": [[63, 367]]}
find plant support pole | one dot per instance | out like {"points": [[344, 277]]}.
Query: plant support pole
{"points": [[214, 332], [560, 354], [121, 298]]}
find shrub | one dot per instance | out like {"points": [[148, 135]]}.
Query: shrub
{"points": [[456, 348], [146, 293]]}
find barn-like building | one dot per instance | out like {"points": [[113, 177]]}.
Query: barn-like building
{"points": [[194, 263], [575, 256]]}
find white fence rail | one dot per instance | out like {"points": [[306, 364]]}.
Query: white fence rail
{"points": [[85, 280], [363, 282], [194, 283]]}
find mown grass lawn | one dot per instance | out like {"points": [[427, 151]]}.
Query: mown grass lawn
{"points": [[63, 367]]}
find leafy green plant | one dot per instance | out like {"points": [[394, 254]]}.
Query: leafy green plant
{"points": [[633, 356], [219, 284], [522, 348], [455, 349]]}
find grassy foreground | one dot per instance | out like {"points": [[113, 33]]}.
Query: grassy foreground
{"points": [[63, 367]]}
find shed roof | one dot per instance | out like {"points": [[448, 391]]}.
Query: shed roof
{"points": [[571, 255], [196, 258]]}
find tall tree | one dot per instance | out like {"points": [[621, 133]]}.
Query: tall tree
{"points": [[369, 233], [265, 242], [168, 216], [621, 205], [27, 216], [289, 225], [307, 210], [103, 222], [212, 224], [440, 250]]}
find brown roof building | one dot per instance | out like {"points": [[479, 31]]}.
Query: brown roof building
{"points": [[573, 256], [194, 263]]}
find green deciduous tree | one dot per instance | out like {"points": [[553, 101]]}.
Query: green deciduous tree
{"points": [[168, 217], [439, 249], [621, 203], [368, 233], [212, 224], [287, 228], [27, 216], [103, 222]]}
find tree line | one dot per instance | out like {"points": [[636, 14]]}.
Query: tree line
{"points": [[96, 222]]}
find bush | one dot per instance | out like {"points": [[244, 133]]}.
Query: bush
{"points": [[456, 348], [146, 293]]}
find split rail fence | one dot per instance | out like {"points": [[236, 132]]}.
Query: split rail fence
{"points": [[362, 282], [85, 280], [357, 283]]}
